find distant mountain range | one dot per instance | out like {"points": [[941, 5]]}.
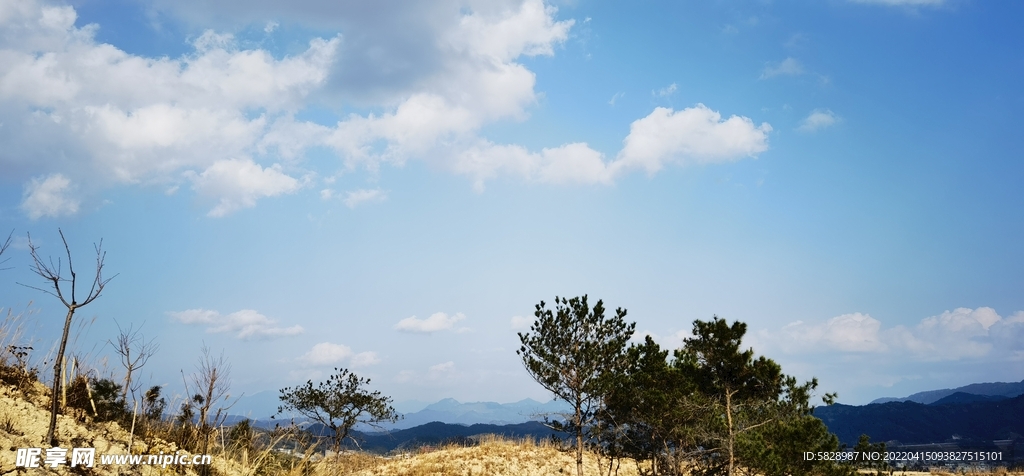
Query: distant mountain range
{"points": [[260, 406], [450, 410], [959, 416], [997, 389], [973, 414]]}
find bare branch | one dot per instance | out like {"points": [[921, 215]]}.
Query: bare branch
{"points": [[4, 247], [49, 272], [52, 273], [134, 351]]}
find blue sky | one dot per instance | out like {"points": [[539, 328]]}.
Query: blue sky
{"points": [[392, 186]]}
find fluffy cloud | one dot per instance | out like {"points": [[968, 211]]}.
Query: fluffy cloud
{"points": [[48, 197], [438, 321], [364, 359], [787, 67], [224, 118], [245, 324], [327, 353], [818, 119], [694, 135], [104, 117], [953, 335], [238, 183], [571, 163]]}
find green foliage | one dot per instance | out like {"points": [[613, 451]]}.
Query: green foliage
{"points": [[242, 435], [744, 390], [713, 409], [654, 409], [574, 352], [110, 406], [153, 404], [714, 362], [865, 446], [339, 404], [104, 393], [777, 449]]}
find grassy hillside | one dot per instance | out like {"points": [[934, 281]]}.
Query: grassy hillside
{"points": [[24, 415]]}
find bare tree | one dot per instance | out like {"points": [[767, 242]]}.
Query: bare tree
{"points": [[134, 351], [212, 383], [4, 247], [65, 289]]}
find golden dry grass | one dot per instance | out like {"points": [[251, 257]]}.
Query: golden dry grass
{"points": [[493, 456]]}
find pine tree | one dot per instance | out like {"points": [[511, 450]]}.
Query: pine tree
{"points": [[572, 352]]}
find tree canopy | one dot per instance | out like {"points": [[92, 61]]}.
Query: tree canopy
{"points": [[572, 352], [339, 404]]}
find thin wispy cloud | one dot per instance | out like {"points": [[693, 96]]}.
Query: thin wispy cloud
{"points": [[328, 354], [520, 323], [817, 120], [665, 91], [244, 324], [438, 321], [787, 67], [355, 198]]}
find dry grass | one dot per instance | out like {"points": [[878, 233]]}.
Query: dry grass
{"points": [[493, 456]]}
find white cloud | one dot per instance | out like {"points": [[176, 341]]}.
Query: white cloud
{"points": [[104, 117], [326, 353], [694, 135], [365, 359], [245, 324], [238, 183], [848, 333], [953, 335], [49, 197], [570, 163], [355, 198], [818, 119], [666, 91], [442, 370], [438, 321], [224, 117], [787, 67], [520, 322]]}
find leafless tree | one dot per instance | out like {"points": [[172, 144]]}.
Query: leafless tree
{"points": [[64, 288], [4, 247], [134, 351], [212, 382]]}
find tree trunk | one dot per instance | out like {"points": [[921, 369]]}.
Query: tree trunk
{"points": [[579, 439], [728, 417], [57, 368]]}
